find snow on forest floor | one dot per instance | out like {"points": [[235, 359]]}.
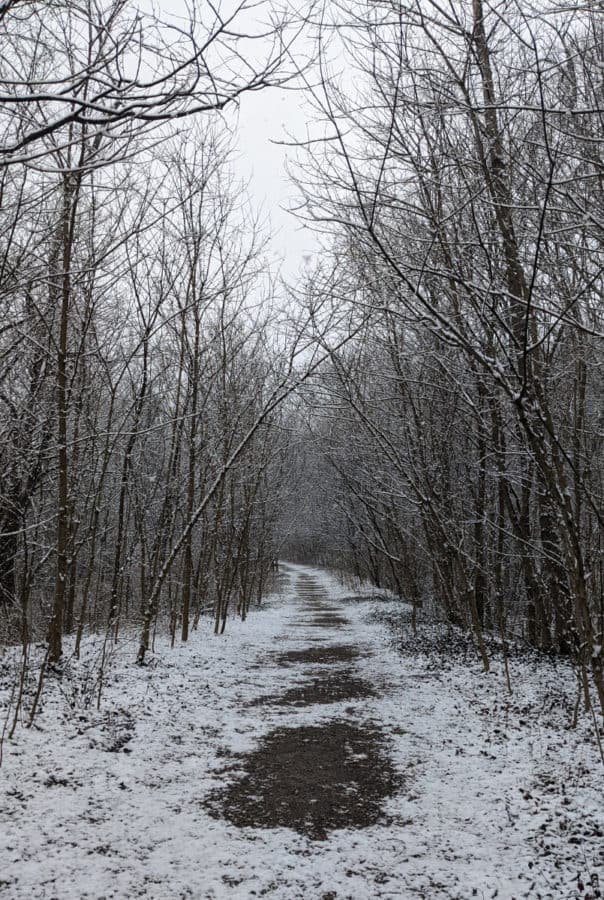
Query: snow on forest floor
{"points": [[318, 750]]}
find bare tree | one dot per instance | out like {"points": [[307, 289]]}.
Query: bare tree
{"points": [[461, 173]]}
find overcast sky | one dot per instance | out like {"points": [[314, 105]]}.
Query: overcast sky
{"points": [[265, 117], [262, 118]]}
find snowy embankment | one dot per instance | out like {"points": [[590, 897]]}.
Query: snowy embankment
{"points": [[496, 795]]}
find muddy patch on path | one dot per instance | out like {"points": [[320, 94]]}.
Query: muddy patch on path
{"points": [[334, 653], [323, 622], [328, 687], [329, 619], [312, 779]]}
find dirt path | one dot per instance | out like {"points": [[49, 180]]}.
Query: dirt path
{"points": [[314, 778]]}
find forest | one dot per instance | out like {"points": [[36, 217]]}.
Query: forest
{"points": [[420, 412]]}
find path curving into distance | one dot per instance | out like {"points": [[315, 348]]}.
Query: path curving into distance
{"points": [[314, 778]]}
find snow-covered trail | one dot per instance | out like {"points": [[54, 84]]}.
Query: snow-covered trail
{"points": [[155, 795]]}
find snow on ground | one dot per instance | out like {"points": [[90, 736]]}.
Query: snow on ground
{"points": [[499, 798]]}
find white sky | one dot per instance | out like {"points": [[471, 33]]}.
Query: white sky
{"points": [[262, 118], [265, 117]]}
